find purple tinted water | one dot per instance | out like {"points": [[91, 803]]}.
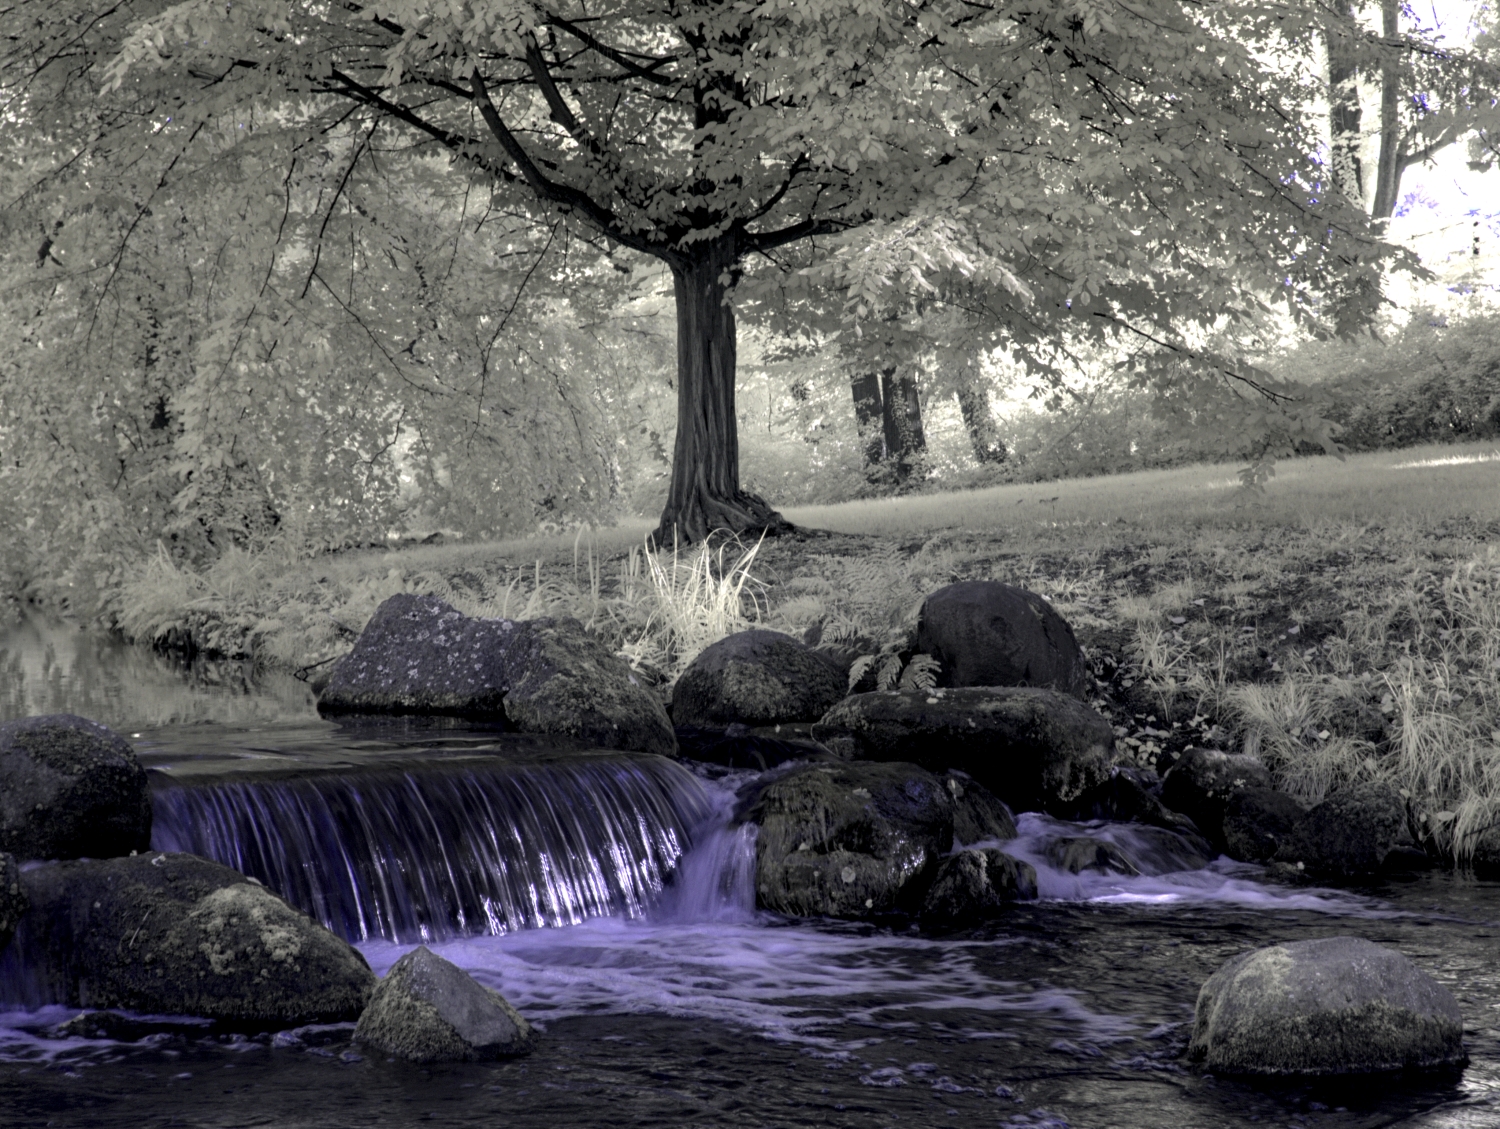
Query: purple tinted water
{"points": [[694, 1010]]}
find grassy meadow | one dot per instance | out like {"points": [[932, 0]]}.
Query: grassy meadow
{"points": [[1344, 624]]}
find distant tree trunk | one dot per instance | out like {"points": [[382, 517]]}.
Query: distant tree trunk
{"points": [[869, 408], [1344, 119], [704, 494], [989, 448], [905, 441], [1391, 163]]}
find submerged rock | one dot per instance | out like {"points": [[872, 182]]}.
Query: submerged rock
{"points": [[1035, 749], [1076, 854], [1336, 1005], [985, 633], [179, 935], [757, 678], [430, 1010], [13, 900], [1257, 821], [849, 840], [1358, 832], [1203, 781], [974, 886], [70, 788], [978, 814], [418, 655]]}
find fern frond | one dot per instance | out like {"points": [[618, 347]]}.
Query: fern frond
{"points": [[858, 669], [921, 673]]}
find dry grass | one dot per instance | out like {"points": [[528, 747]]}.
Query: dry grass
{"points": [[1345, 625]]}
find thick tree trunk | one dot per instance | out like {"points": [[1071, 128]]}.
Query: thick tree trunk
{"points": [[1344, 119], [988, 447], [905, 441], [869, 410], [1390, 164], [704, 495]]}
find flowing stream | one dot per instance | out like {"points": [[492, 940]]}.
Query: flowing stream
{"points": [[610, 897]]}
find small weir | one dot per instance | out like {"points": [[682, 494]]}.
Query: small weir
{"points": [[422, 852]]}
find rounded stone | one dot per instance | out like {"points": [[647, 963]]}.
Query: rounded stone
{"points": [[985, 633], [757, 677], [1335, 1005], [428, 1009], [70, 788]]}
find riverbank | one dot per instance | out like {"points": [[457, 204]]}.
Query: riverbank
{"points": [[1345, 624]]}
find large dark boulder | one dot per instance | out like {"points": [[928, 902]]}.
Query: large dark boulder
{"points": [[430, 1010], [978, 814], [849, 840], [13, 900], [1336, 1005], [985, 633], [1357, 832], [757, 677], [975, 886], [1257, 821], [1035, 749], [1203, 781], [418, 655], [70, 788], [179, 935]]}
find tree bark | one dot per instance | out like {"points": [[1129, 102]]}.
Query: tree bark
{"points": [[905, 441], [1344, 118], [989, 448], [704, 495], [1390, 164], [869, 411]]}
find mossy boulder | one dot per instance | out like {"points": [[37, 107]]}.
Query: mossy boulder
{"points": [[985, 633], [1203, 781], [179, 935], [428, 1009], [70, 788], [1335, 1005], [978, 814], [849, 840], [757, 678], [1035, 749], [974, 886], [1358, 832], [419, 655], [1258, 821]]}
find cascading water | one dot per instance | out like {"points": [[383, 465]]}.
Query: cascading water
{"points": [[412, 853]]}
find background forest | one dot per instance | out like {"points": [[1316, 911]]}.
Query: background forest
{"points": [[284, 331]]}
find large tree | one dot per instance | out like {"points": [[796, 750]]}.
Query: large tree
{"points": [[1132, 163]]}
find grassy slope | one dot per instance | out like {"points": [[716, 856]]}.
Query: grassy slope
{"points": [[1346, 624]]}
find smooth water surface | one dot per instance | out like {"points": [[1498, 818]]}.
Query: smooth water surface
{"points": [[687, 1007]]}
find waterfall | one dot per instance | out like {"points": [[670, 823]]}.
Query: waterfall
{"points": [[421, 853]]}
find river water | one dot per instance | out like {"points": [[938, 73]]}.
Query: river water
{"points": [[608, 898]]}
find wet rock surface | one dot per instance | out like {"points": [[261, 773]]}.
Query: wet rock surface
{"points": [[179, 935], [1038, 750], [1203, 781], [974, 886], [419, 655], [1357, 832], [13, 901], [985, 633], [1075, 854], [759, 747], [757, 678], [70, 788], [427, 1009], [1129, 795], [849, 840], [978, 814], [1258, 821], [1335, 1005]]}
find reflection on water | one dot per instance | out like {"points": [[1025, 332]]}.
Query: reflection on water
{"points": [[51, 666]]}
